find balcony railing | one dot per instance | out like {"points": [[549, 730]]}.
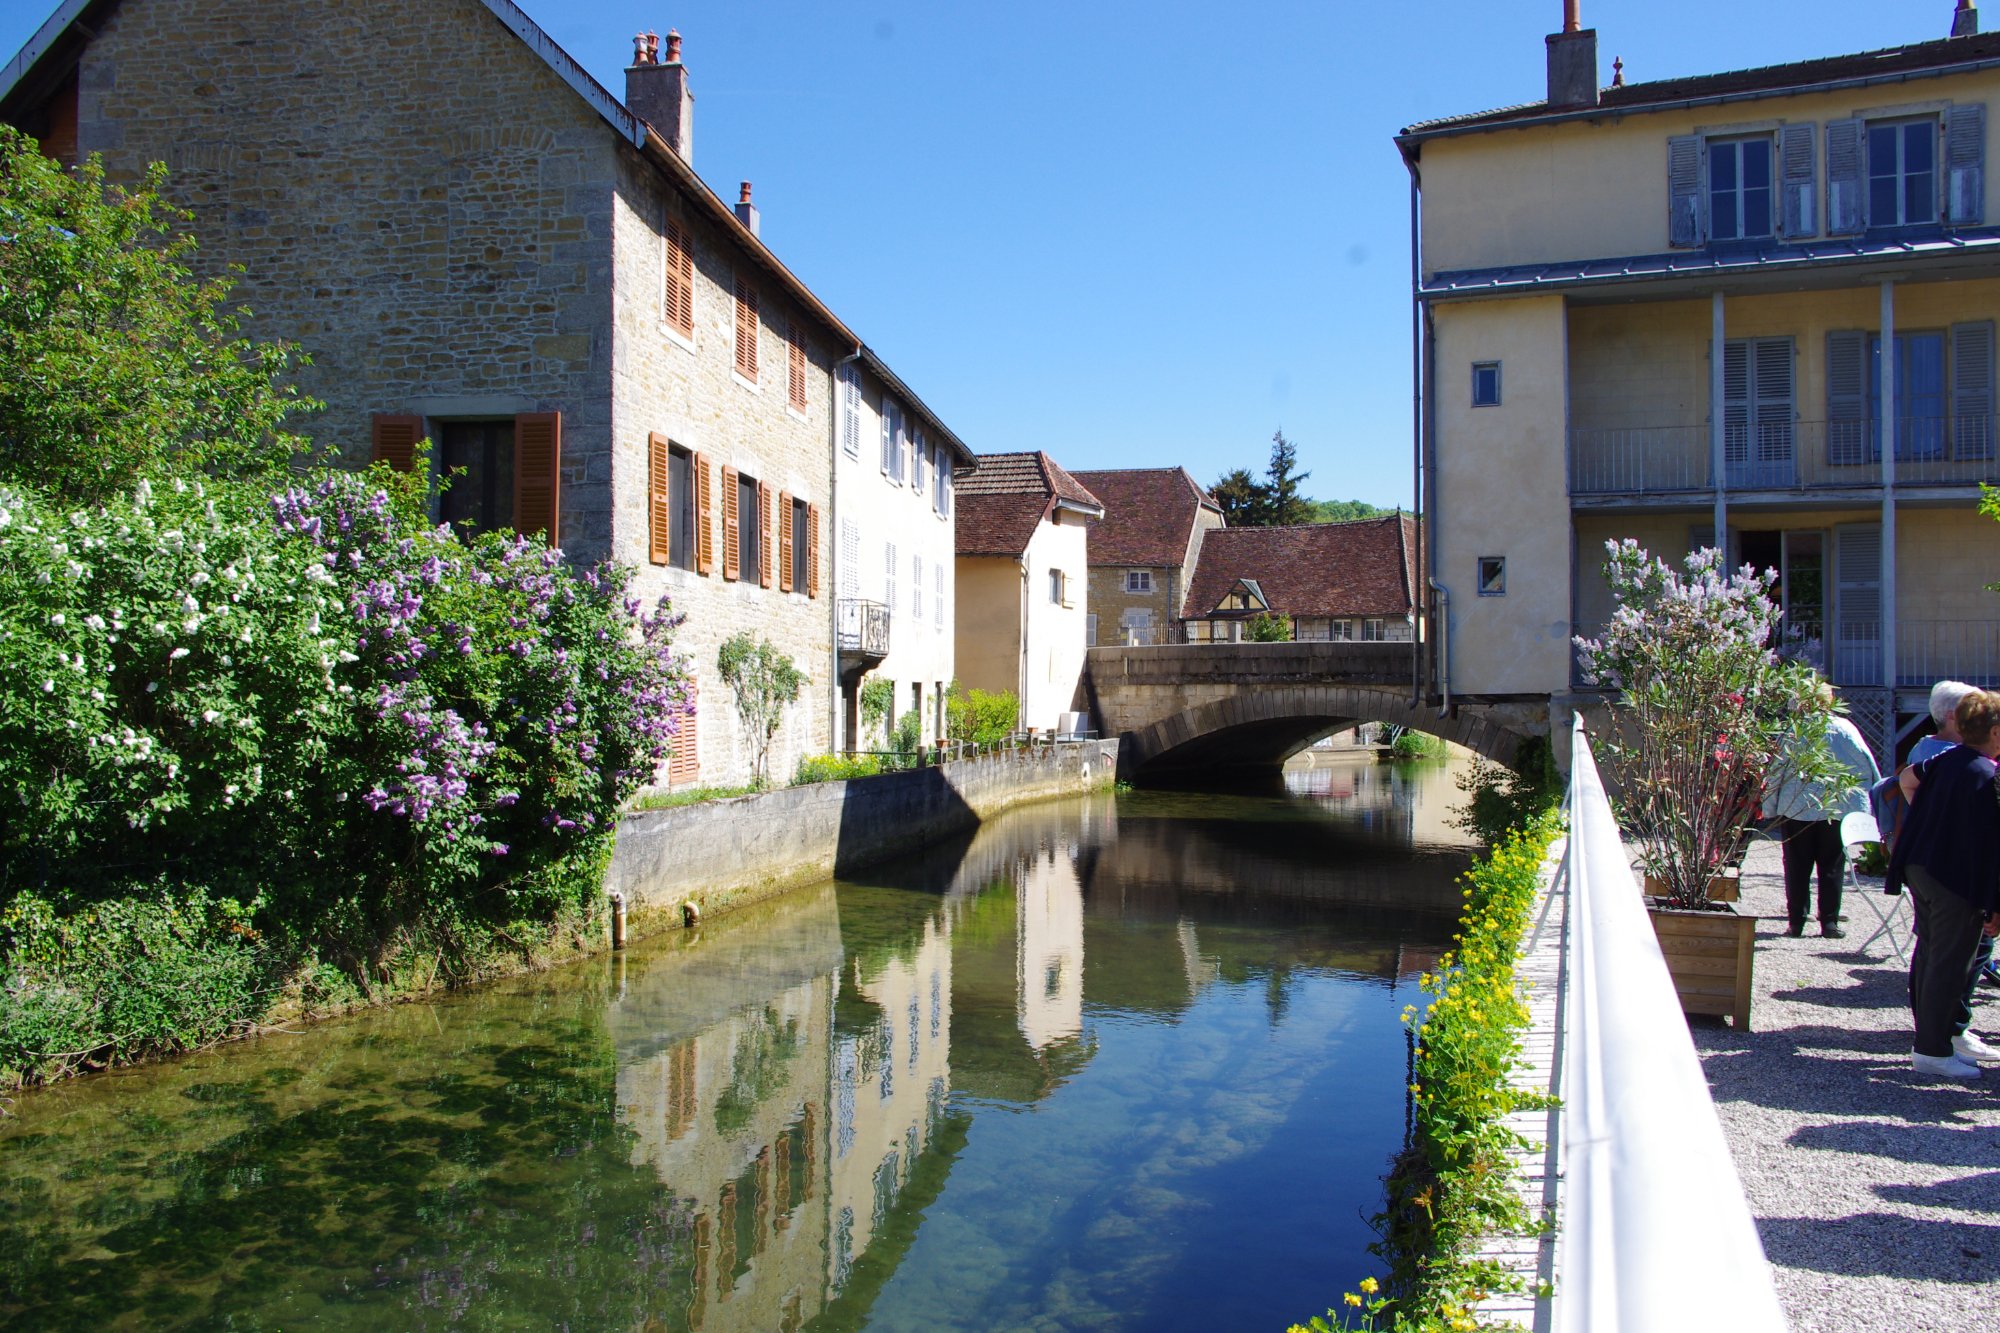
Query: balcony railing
{"points": [[862, 628], [1793, 455], [1927, 651]]}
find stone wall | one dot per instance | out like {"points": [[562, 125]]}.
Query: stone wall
{"points": [[730, 852]]}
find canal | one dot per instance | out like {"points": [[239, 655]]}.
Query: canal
{"points": [[1130, 1061]]}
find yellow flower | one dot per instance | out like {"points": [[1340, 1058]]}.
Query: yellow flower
{"points": [[1370, 1285], [1352, 1300]]}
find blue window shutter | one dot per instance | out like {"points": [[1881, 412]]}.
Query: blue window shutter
{"points": [[1799, 181], [1684, 191], [1735, 405], [1844, 178], [1847, 430], [1857, 604], [1972, 390], [1965, 164]]}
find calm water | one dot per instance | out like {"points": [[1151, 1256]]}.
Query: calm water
{"points": [[1127, 1062]]}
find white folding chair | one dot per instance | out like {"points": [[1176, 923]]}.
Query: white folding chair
{"points": [[1856, 830]]}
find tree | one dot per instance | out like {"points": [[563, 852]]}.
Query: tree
{"points": [[1342, 511], [1282, 502], [765, 682], [114, 358], [1239, 496], [1267, 628]]}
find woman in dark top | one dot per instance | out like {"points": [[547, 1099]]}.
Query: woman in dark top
{"points": [[1948, 854]]}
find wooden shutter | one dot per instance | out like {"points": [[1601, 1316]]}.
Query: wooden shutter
{"points": [[746, 329], [937, 599], [1972, 390], [393, 440], [1735, 406], [764, 561], [785, 539], [1798, 178], [812, 550], [1684, 190], [889, 579], [732, 552], [850, 410], [704, 516], [1772, 413], [888, 435], [685, 766], [1844, 182], [1857, 604], [659, 506], [916, 590], [680, 279], [1965, 164], [1847, 430], [917, 448], [538, 474], [795, 370]]}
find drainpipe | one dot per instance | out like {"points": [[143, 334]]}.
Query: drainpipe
{"points": [[1441, 624], [836, 718], [1444, 647], [1416, 422]]}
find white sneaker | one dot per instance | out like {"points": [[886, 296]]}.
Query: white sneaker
{"points": [[1943, 1066], [1970, 1047]]}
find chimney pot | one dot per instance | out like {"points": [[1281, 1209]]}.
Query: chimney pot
{"points": [[1965, 21], [746, 211], [658, 93], [673, 47], [639, 50], [743, 196], [1572, 15]]}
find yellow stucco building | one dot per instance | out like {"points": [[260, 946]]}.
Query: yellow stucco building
{"points": [[1658, 311]]}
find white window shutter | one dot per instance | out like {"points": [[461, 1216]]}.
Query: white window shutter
{"points": [[888, 435], [889, 579], [1844, 178], [1965, 164], [1684, 228], [937, 600], [850, 558], [917, 589], [850, 410], [1799, 179]]}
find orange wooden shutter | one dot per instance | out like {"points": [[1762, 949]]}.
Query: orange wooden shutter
{"points": [[795, 364], [746, 330], [704, 516], [812, 550], [685, 766], [394, 441], [732, 550], [785, 538], [659, 509], [537, 473], [764, 561], [680, 280]]}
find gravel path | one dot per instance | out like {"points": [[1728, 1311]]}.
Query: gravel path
{"points": [[1877, 1192]]}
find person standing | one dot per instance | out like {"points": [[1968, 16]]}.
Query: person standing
{"points": [[1948, 855], [1809, 815]]}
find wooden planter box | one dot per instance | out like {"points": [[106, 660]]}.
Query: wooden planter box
{"points": [[1709, 955], [1724, 887]]}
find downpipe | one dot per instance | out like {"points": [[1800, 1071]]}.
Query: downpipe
{"points": [[1444, 646]]}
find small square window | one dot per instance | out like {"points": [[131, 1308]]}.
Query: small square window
{"points": [[1138, 580], [1492, 576], [1486, 384]]}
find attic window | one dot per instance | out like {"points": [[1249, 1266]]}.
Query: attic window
{"points": [[1486, 384], [1492, 576]]}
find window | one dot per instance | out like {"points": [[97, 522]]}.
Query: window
{"points": [[1340, 631], [850, 410], [805, 541], [749, 530], [917, 589], [889, 578], [1492, 576], [1137, 625], [1919, 382], [671, 504], [1486, 384], [1739, 188], [1902, 173], [1138, 580], [677, 302], [1371, 630], [481, 499], [746, 329], [1944, 394], [1090, 630], [1058, 587], [795, 369], [941, 490], [893, 442], [919, 453], [1757, 411]]}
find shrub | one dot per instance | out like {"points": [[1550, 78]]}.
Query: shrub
{"points": [[908, 737], [980, 717], [878, 699], [1416, 745], [765, 682], [835, 768], [1267, 628], [1499, 800]]}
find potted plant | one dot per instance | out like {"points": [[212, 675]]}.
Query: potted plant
{"points": [[1710, 718]]}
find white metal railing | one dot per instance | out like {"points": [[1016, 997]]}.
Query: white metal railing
{"points": [[1782, 455], [1655, 1233]]}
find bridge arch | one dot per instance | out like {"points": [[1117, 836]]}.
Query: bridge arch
{"points": [[1261, 727]]}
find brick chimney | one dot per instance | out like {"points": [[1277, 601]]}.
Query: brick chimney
{"points": [[746, 210], [657, 91], [1572, 62], [1965, 23]]}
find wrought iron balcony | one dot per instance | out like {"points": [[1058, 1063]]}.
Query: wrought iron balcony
{"points": [[1783, 456], [861, 629]]}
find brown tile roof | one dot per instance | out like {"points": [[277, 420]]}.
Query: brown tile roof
{"points": [[1149, 515], [1362, 568], [1896, 62], [1000, 504]]}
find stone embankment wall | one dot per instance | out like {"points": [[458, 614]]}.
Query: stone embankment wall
{"points": [[727, 853]]}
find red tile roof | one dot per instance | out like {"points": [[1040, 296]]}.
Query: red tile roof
{"points": [[999, 505], [1363, 568], [1149, 515]]}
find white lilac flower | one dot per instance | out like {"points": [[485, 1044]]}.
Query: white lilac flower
{"points": [[209, 715], [177, 654], [56, 619]]}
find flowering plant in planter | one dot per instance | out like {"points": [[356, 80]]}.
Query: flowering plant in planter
{"points": [[1714, 719]]}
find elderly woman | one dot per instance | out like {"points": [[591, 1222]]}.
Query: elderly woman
{"points": [[1949, 856]]}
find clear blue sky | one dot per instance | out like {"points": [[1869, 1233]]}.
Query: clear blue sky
{"points": [[1134, 233]]}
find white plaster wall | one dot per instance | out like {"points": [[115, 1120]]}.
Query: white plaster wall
{"points": [[1055, 634]]}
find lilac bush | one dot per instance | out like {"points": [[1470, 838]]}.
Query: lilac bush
{"points": [[1713, 717]]}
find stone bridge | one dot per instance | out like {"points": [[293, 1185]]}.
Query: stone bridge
{"points": [[1187, 709]]}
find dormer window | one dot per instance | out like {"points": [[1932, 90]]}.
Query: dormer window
{"points": [[1902, 173], [1739, 188]]}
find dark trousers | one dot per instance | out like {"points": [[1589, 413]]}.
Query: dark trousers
{"points": [[1812, 844], [1948, 931]]}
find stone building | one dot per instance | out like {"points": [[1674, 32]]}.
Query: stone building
{"points": [[1022, 592], [479, 244], [1142, 551], [1327, 581]]}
